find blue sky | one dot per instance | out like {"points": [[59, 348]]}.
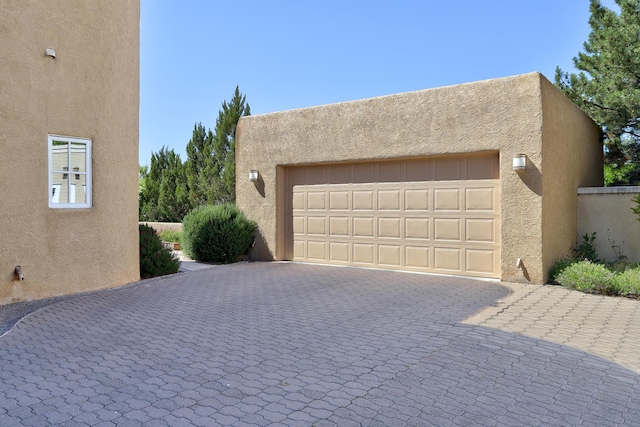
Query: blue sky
{"points": [[287, 54]]}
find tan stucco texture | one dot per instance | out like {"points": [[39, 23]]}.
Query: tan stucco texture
{"points": [[89, 90], [522, 114], [608, 213]]}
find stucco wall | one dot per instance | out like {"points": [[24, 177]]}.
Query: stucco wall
{"points": [[572, 157], [501, 115], [90, 90], [162, 226], [607, 212]]}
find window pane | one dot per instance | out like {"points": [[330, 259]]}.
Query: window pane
{"points": [[72, 193], [69, 172], [78, 157], [59, 157], [55, 193], [60, 190], [77, 194]]}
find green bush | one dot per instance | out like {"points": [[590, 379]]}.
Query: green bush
{"points": [[219, 233], [155, 259], [587, 249], [169, 235], [588, 277], [620, 265], [558, 267], [627, 283]]}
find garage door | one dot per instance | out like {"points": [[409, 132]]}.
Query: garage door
{"points": [[437, 215]]}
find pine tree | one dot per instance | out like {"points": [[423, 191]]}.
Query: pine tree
{"points": [[199, 153], [163, 191], [210, 165], [607, 87], [225, 145]]}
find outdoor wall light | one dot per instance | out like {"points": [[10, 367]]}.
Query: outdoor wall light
{"points": [[50, 52], [519, 162], [253, 175]]}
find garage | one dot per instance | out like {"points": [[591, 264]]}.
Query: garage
{"points": [[437, 215], [431, 181]]}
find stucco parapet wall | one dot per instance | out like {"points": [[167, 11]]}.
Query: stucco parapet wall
{"points": [[464, 118], [609, 190], [162, 226]]}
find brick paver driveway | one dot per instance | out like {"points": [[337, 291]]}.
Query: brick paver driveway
{"points": [[290, 344]]}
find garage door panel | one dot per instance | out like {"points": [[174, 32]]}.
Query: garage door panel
{"points": [[299, 250], [363, 253], [363, 227], [446, 199], [447, 229], [339, 200], [417, 257], [339, 226], [389, 255], [416, 200], [316, 250], [316, 225], [480, 230], [420, 214], [389, 228], [316, 200], [447, 259], [363, 200], [298, 201], [417, 228], [339, 252], [389, 200], [480, 261], [298, 224], [480, 199]]}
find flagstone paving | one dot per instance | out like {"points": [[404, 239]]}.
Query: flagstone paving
{"points": [[299, 345]]}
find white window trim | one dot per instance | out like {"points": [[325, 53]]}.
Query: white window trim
{"points": [[88, 198]]}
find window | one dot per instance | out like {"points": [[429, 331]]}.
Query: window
{"points": [[69, 154]]}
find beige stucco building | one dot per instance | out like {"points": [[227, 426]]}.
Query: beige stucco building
{"points": [[423, 181], [69, 146]]}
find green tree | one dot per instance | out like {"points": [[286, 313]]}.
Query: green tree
{"points": [[164, 191], [199, 155], [210, 167], [225, 145], [607, 86], [142, 173]]}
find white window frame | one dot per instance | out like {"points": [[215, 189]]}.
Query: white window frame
{"points": [[87, 172]]}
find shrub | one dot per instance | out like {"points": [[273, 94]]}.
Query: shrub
{"points": [[155, 259], [219, 233], [587, 249], [620, 266], [588, 277], [627, 283], [558, 267], [169, 235]]}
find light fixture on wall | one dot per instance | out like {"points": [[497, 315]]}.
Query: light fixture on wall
{"points": [[519, 162], [253, 175], [50, 52]]}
